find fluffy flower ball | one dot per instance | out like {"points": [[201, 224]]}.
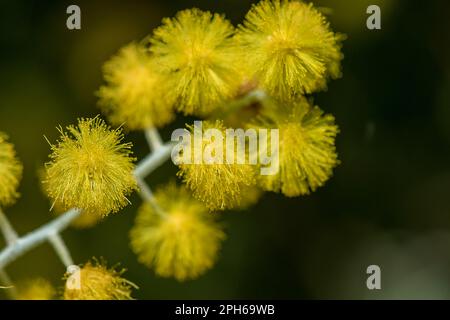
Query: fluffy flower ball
{"points": [[90, 169], [307, 150], [196, 51], [10, 172], [36, 289], [94, 281], [135, 94], [289, 47], [219, 186], [183, 242]]}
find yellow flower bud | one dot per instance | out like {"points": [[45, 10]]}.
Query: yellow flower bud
{"points": [[36, 289], [10, 172], [289, 47], [196, 51], [307, 149], [94, 281], [218, 185], [183, 242], [135, 95], [250, 197], [90, 169]]}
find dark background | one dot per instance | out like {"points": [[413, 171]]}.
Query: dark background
{"points": [[387, 204]]}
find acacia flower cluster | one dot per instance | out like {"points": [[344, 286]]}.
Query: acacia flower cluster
{"points": [[36, 289], [90, 169], [307, 150], [198, 64], [95, 281], [289, 48], [178, 238], [196, 50], [218, 185], [10, 172], [136, 93]]}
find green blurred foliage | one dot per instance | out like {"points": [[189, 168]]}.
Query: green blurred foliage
{"points": [[387, 203]]}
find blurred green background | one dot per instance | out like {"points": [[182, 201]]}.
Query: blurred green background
{"points": [[387, 204]]}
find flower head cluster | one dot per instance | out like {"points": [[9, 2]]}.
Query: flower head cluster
{"points": [[219, 185], [135, 94], [289, 47], [90, 169], [36, 289], [196, 51], [95, 281], [307, 150], [10, 172], [183, 242]]}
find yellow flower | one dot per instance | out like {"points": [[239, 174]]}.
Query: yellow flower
{"points": [[94, 281], [90, 169], [250, 197], [289, 47], [36, 289], [307, 150], [183, 241], [135, 93], [10, 172], [83, 221], [196, 51], [219, 186]]}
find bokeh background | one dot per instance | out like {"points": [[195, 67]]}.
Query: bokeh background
{"points": [[387, 204]]}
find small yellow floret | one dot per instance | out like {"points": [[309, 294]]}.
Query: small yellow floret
{"points": [[36, 289], [90, 169], [219, 186], [10, 172], [94, 281], [289, 47], [184, 242], [307, 150], [196, 51], [135, 95]]}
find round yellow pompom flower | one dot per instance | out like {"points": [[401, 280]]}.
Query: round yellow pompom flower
{"points": [[36, 289], [307, 150], [196, 51], [135, 94], [94, 281], [289, 47], [219, 185], [183, 241], [10, 172], [90, 169]]}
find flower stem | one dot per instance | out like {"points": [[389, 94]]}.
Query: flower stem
{"points": [[153, 138], [147, 195], [8, 285], [36, 237], [60, 248], [153, 160], [8, 231]]}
